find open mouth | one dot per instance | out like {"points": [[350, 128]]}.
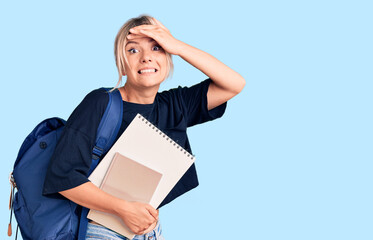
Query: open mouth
{"points": [[152, 70]]}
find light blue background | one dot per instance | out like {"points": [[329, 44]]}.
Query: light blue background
{"points": [[292, 156]]}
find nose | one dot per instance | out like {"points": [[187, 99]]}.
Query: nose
{"points": [[146, 56]]}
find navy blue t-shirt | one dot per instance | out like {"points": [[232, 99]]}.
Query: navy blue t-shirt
{"points": [[172, 112]]}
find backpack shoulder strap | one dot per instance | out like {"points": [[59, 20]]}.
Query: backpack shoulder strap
{"points": [[106, 134], [109, 127]]}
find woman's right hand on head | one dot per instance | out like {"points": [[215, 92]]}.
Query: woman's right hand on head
{"points": [[139, 217]]}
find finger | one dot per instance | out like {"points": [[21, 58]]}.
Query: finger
{"points": [[141, 32], [139, 36], [146, 33], [137, 28], [146, 229], [134, 35], [151, 227], [139, 232], [160, 24], [153, 212]]}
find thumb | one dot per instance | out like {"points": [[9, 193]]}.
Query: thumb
{"points": [[153, 211]]}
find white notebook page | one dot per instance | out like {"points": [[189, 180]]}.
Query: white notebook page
{"points": [[143, 143]]}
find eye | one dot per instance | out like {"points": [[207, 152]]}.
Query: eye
{"points": [[157, 48], [133, 50]]}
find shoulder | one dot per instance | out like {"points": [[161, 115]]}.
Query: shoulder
{"points": [[97, 96], [184, 92], [182, 89], [170, 98], [92, 107]]}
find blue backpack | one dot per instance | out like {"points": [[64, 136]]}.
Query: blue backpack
{"points": [[54, 217]]}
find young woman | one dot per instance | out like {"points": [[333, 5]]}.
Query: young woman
{"points": [[143, 50]]}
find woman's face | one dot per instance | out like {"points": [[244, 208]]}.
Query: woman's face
{"points": [[148, 62]]}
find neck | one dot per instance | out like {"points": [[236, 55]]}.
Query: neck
{"points": [[136, 95]]}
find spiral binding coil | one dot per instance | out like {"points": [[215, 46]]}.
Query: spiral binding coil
{"points": [[165, 136]]}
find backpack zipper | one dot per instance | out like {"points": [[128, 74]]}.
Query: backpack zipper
{"points": [[11, 199]]}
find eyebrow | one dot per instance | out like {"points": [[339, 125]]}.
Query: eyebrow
{"points": [[151, 40]]}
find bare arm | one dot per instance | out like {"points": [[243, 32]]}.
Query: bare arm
{"points": [[139, 217], [226, 83]]}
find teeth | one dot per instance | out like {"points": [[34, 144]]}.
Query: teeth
{"points": [[147, 70]]}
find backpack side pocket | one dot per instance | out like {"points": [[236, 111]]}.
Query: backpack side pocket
{"points": [[22, 215]]}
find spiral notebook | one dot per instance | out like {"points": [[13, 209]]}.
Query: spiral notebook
{"points": [[146, 144], [122, 180]]}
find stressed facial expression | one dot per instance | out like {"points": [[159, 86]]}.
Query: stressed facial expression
{"points": [[147, 62]]}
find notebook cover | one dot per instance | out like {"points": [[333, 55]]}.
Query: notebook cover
{"points": [[128, 180], [145, 143]]}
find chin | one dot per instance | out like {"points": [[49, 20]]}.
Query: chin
{"points": [[151, 82]]}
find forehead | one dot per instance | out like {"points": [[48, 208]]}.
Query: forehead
{"points": [[140, 40]]}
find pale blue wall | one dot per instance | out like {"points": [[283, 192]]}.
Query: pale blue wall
{"points": [[291, 158]]}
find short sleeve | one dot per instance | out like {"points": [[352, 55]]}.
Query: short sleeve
{"points": [[194, 104], [72, 157]]}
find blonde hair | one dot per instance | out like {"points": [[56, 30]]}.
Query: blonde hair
{"points": [[121, 40]]}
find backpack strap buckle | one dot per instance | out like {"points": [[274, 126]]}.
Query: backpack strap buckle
{"points": [[97, 152]]}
